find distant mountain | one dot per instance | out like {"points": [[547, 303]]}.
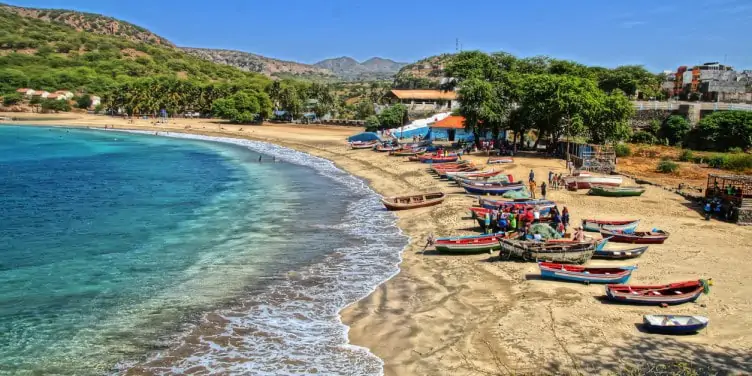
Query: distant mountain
{"points": [[90, 22], [260, 64], [349, 69]]}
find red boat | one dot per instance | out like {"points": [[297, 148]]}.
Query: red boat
{"points": [[674, 293], [430, 159], [648, 237]]}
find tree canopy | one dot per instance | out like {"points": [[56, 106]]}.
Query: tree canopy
{"points": [[554, 97], [723, 130]]}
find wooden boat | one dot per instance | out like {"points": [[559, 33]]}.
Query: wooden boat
{"points": [[442, 172], [413, 201], [474, 174], [500, 159], [599, 243], [491, 190], [435, 159], [588, 181], [674, 293], [585, 274], [407, 152], [578, 253], [674, 324], [469, 244], [620, 254], [363, 145], [385, 148], [639, 237], [503, 178], [599, 190], [596, 225]]}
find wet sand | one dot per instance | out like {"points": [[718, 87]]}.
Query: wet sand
{"points": [[469, 314]]}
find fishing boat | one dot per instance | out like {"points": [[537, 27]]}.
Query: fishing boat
{"points": [[600, 190], [620, 254], [387, 148], [671, 294], [500, 159], [363, 144], [543, 206], [596, 225], [474, 174], [599, 243], [442, 172], [413, 201], [638, 237], [469, 244], [407, 152], [588, 181], [435, 159], [491, 190], [578, 253], [674, 324], [503, 178], [585, 274]]}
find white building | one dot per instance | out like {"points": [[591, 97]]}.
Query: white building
{"points": [[26, 91]]}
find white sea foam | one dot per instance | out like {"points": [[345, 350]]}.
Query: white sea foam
{"points": [[295, 327]]}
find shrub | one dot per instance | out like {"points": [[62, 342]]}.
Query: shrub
{"points": [[674, 129], [739, 162], [718, 161], [643, 137], [686, 156], [623, 150], [667, 166], [735, 150], [11, 99]]}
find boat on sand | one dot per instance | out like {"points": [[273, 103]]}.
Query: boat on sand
{"points": [[638, 237], [674, 324], [578, 253], [596, 225], [585, 274], [669, 294], [600, 190], [413, 201]]}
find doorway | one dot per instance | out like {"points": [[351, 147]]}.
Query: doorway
{"points": [[451, 134]]}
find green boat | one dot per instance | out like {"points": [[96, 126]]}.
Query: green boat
{"points": [[615, 191]]}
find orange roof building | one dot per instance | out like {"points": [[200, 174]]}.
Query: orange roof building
{"points": [[451, 122]]}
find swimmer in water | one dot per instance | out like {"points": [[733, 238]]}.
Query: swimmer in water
{"points": [[259, 159]]}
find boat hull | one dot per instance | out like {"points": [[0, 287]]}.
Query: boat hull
{"points": [[693, 324], [624, 254], [615, 192], [398, 203], [536, 251], [494, 190], [584, 277], [594, 225], [673, 294], [588, 181], [469, 244], [636, 237]]}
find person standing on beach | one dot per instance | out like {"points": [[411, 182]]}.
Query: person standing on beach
{"points": [[565, 218], [487, 222], [550, 177], [531, 177], [512, 221], [532, 188], [543, 190]]}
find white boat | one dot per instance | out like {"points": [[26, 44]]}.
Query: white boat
{"points": [[587, 181]]}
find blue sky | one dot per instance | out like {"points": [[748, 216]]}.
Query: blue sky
{"points": [[659, 34]]}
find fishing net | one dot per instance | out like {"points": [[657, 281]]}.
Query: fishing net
{"points": [[545, 231], [522, 193]]}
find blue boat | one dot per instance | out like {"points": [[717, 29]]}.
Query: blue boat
{"points": [[585, 274], [674, 324], [619, 254], [491, 190]]}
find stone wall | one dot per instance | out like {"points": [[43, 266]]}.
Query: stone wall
{"points": [[642, 119]]}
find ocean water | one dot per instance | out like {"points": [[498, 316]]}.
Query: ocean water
{"points": [[131, 253]]}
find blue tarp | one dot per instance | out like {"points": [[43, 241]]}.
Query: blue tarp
{"points": [[365, 136]]}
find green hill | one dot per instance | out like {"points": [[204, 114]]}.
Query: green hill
{"points": [[57, 49]]}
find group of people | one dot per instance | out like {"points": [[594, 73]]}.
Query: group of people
{"points": [[512, 219], [555, 181]]}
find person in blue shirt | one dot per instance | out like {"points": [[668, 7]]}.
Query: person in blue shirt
{"points": [[531, 176], [707, 210]]}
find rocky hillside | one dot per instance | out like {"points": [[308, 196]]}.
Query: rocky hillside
{"points": [[372, 69], [260, 64], [423, 74], [89, 22]]}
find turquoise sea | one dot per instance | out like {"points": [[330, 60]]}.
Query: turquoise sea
{"points": [[135, 253]]}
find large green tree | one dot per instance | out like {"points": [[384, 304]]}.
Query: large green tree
{"points": [[723, 130]]}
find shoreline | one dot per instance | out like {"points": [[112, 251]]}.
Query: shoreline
{"points": [[444, 314]]}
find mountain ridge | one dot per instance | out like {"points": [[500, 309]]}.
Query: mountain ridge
{"points": [[373, 68]]}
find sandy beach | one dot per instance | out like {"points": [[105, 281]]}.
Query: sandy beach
{"points": [[471, 314]]}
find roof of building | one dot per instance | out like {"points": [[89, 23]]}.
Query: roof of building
{"points": [[424, 94], [54, 96], [23, 90], [453, 122]]}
